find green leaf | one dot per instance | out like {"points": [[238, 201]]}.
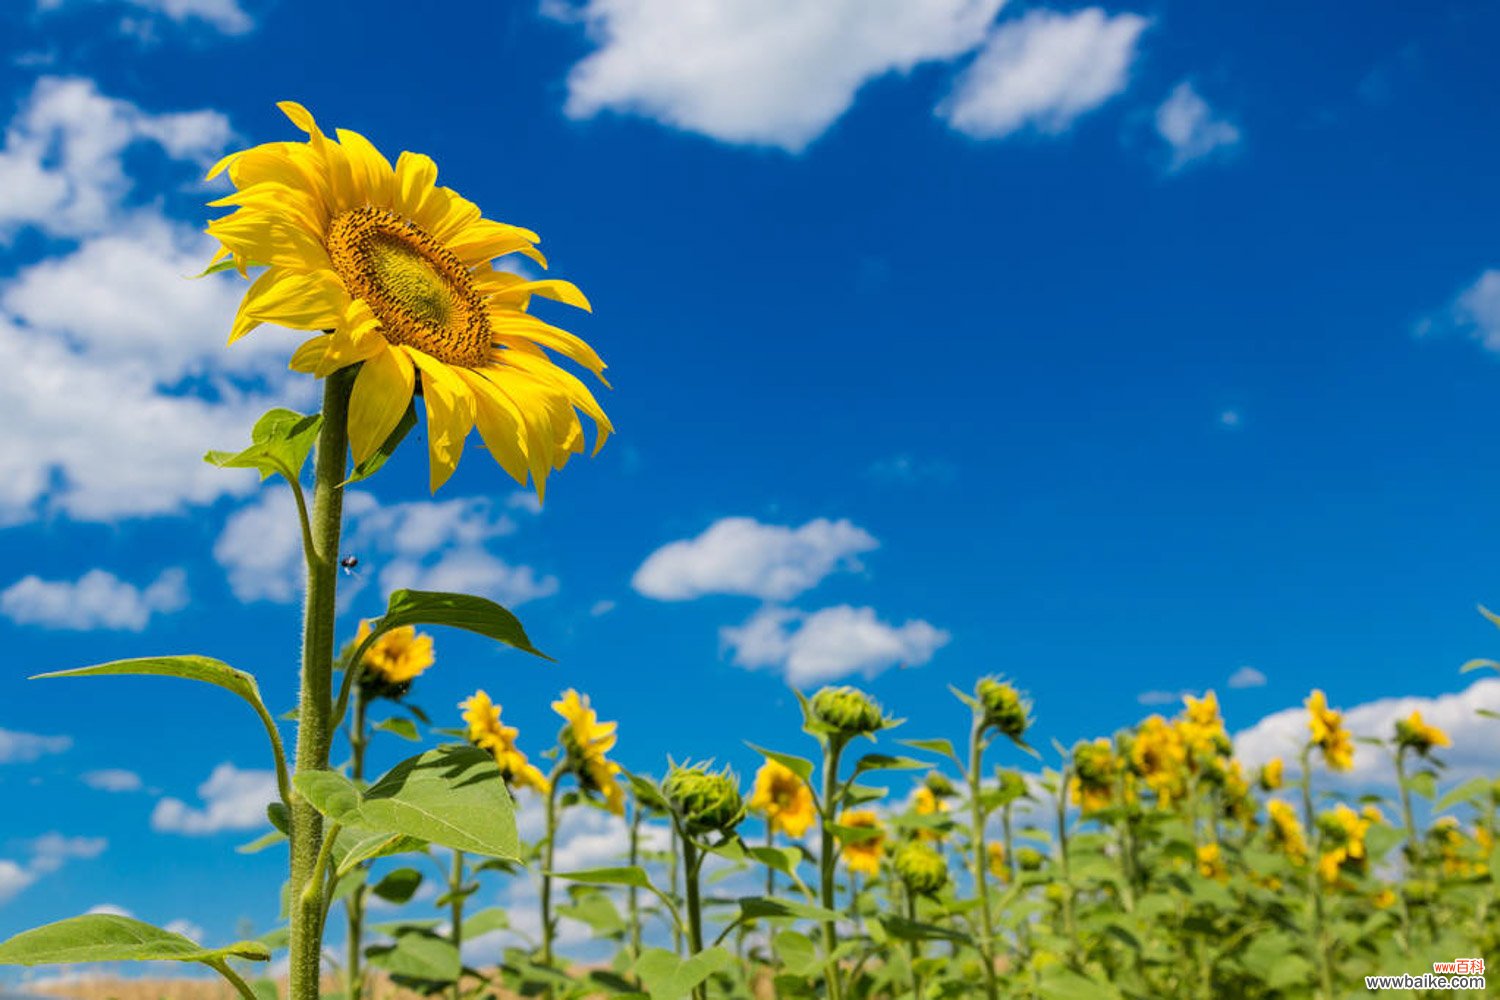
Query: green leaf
{"points": [[404, 728], [331, 794], [398, 886], [371, 465], [797, 952], [647, 792], [885, 762], [355, 847], [855, 834], [1424, 783], [630, 876], [419, 955], [943, 747], [758, 907], [597, 912], [102, 937], [262, 842], [799, 766], [781, 859], [903, 929], [491, 919], [668, 977], [280, 443], [1065, 984], [473, 614], [1469, 791]]}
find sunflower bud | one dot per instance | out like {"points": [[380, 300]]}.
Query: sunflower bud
{"points": [[707, 801], [848, 711], [1012, 786], [1003, 708], [1029, 858], [921, 868], [938, 784]]}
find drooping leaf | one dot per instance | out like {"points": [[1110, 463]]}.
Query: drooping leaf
{"points": [[280, 443], [758, 907], [885, 762], [800, 766], [404, 728], [453, 796], [419, 955], [629, 876], [398, 886], [668, 977], [106, 937], [797, 952], [473, 614]]}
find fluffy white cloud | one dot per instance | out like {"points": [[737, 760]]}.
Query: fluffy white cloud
{"points": [[1475, 313], [96, 600], [226, 16], [233, 799], [112, 780], [1043, 71], [61, 169], [1190, 127], [23, 748], [758, 72], [424, 544], [48, 853], [740, 555], [828, 644], [1283, 733], [1247, 677]]}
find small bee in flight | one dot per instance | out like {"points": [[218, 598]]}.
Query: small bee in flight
{"points": [[349, 563]]}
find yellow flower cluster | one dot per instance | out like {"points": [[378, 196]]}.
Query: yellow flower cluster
{"points": [[863, 856], [1342, 835], [1285, 831], [1158, 757], [482, 718], [1095, 768], [1328, 733], [783, 799], [587, 741]]}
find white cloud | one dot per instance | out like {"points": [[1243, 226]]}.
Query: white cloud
{"points": [[602, 608], [1188, 125], [110, 909], [1475, 312], [112, 780], [61, 168], [1162, 697], [1043, 71], [1230, 418], [233, 799], [96, 600], [1283, 733], [226, 16], [1247, 677], [186, 928], [739, 555], [424, 544], [756, 72], [828, 644], [47, 854], [23, 748]]}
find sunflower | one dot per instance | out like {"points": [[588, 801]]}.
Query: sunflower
{"points": [[1328, 732], [995, 858], [1272, 775], [396, 274], [482, 718], [1416, 734], [1159, 757], [586, 741], [393, 661], [1343, 838], [1095, 767], [783, 799], [1286, 830], [863, 855]]}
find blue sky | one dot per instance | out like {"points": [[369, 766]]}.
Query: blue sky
{"points": [[1115, 349]]}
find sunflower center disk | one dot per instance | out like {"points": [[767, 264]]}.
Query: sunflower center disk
{"points": [[420, 291]]}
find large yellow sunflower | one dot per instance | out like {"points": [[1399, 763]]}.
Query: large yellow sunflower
{"points": [[396, 272]]}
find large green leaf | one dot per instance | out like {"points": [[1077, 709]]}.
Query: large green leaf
{"points": [[755, 907], [473, 614], [419, 955], [885, 762], [667, 977], [280, 443], [103, 937], [453, 796], [608, 876]]}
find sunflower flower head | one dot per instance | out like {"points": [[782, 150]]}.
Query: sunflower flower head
{"points": [[1095, 768], [921, 869], [586, 742], [995, 858], [393, 661], [1272, 775], [1341, 836], [1328, 732], [482, 722], [863, 854], [1413, 733], [1004, 709], [1158, 756], [396, 274], [1202, 730], [847, 712], [1286, 833], [783, 799], [705, 801], [1211, 863]]}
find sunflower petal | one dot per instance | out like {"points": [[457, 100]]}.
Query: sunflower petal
{"points": [[382, 391], [450, 414]]}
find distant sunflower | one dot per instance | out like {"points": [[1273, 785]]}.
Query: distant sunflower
{"points": [[784, 799], [482, 720], [863, 855], [587, 741], [1328, 732], [396, 273], [394, 660]]}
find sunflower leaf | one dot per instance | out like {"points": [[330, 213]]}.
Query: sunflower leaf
{"points": [[280, 443], [473, 614], [105, 937]]}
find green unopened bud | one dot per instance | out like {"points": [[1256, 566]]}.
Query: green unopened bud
{"points": [[1003, 708], [707, 801], [922, 869], [938, 784], [847, 711], [1029, 858]]}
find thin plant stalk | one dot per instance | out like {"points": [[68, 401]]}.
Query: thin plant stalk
{"points": [[978, 741], [548, 853], [633, 895], [1315, 882], [456, 909], [691, 862], [354, 907], [914, 946], [826, 859], [315, 701]]}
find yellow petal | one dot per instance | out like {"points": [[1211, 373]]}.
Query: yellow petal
{"points": [[382, 391], [416, 177], [450, 414], [300, 116], [372, 171], [500, 425], [313, 301]]}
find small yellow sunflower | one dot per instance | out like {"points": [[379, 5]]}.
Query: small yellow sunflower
{"points": [[396, 658], [995, 855], [1095, 767], [482, 717], [1417, 734], [1211, 863], [783, 799], [1328, 732], [1286, 830], [864, 855], [587, 741], [396, 273], [1159, 757], [1272, 775]]}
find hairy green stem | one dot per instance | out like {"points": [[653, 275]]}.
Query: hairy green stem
{"points": [[980, 852], [826, 859], [548, 852], [456, 908], [1315, 881], [354, 907], [315, 708], [633, 894], [691, 861], [914, 946]]}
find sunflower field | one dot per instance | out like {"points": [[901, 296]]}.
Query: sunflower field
{"points": [[866, 862]]}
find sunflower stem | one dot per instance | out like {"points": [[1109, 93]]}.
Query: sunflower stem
{"points": [[1315, 882], [826, 861], [456, 906], [691, 862], [314, 706], [977, 743], [355, 907], [549, 851]]}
